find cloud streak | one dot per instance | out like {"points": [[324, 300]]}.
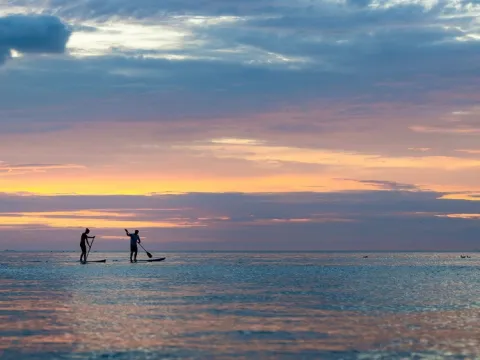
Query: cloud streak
{"points": [[389, 185], [22, 169]]}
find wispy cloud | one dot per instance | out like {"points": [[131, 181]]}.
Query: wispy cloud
{"points": [[81, 219], [462, 216], [469, 151], [422, 149], [265, 153], [389, 185], [21, 169], [467, 130]]}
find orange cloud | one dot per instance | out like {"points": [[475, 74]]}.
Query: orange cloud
{"points": [[468, 151], [80, 219], [445, 130], [462, 196], [461, 216], [247, 149]]}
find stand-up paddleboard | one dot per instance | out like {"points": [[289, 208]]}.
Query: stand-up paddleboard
{"points": [[152, 260], [94, 261]]}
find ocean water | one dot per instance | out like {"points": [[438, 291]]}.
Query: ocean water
{"points": [[240, 306]]}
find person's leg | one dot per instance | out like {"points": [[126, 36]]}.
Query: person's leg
{"points": [[84, 254], [131, 255], [136, 251]]}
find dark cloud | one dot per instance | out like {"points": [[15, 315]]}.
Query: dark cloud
{"points": [[74, 85], [357, 46], [348, 52], [41, 34]]}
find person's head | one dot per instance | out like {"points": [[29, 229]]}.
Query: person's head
{"points": [[136, 232], [87, 231]]}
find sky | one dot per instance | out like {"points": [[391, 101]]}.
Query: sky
{"points": [[240, 124]]}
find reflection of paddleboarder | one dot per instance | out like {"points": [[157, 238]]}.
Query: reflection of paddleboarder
{"points": [[134, 239], [83, 246]]}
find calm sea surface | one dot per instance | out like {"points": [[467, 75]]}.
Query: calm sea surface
{"points": [[240, 306]]}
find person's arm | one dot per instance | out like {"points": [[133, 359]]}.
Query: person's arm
{"points": [[127, 232], [139, 241]]}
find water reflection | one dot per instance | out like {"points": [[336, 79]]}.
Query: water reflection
{"points": [[260, 308], [33, 318]]}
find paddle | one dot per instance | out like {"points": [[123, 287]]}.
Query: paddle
{"points": [[148, 254], [86, 257]]}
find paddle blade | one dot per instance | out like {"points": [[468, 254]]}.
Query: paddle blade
{"points": [[148, 254]]}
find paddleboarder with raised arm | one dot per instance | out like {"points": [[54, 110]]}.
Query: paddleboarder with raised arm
{"points": [[83, 246], [134, 239]]}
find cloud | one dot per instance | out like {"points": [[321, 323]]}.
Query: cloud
{"points": [[248, 96], [105, 219], [246, 66], [469, 151], [20, 169], [462, 216], [422, 149], [145, 9], [250, 57], [320, 221], [325, 36], [254, 151], [467, 130], [389, 185], [38, 34]]}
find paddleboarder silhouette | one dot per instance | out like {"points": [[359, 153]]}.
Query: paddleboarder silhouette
{"points": [[83, 246], [134, 239]]}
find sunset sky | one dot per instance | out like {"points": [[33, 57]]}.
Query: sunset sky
{"points": [[240, 124]]}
